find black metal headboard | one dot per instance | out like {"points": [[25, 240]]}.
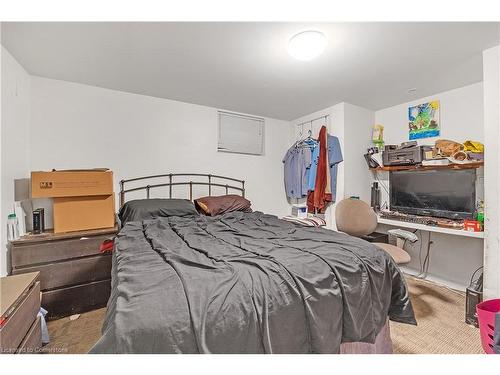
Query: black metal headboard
{"points": [[171, 178]]}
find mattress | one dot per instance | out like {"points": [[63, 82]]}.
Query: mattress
{"points": [[247, 283]]}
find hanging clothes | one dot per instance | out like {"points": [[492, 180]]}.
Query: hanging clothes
{"points": [[311, 176], [334, 159], [328, 187], [319, 198], [297, 161]]}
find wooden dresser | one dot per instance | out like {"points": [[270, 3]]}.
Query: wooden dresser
{"points": [[74, 275], [20, 328]]}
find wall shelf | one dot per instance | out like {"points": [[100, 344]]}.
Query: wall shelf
{"points": [[472, 165], [430, 228]]}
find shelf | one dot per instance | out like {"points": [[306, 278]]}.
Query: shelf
{"points": [[430, 228], [472, 165]]}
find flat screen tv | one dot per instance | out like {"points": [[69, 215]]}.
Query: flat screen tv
{"points": [[443, 193]]}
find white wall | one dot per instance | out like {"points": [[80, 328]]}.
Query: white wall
{"points": [[461, 116], [453, 258], [80, 126], [491, 73], [358, 125], [15, 117]]}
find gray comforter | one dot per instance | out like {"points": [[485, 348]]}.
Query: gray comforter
{"points": [[246, 283]]}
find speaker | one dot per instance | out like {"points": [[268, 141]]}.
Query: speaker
{"points": [[472, 298], [38, 221], [375, 197]]}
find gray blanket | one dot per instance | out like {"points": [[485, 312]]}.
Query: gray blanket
{"points": [[246, 283]]}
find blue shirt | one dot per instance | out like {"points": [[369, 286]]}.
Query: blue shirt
{"points": [[334, 158], [313, 169], [297, 162]]}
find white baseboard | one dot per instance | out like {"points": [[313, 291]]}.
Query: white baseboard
{"points": [[435, 279]]}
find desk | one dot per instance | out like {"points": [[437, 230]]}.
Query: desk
{"points": [[430, 228]]}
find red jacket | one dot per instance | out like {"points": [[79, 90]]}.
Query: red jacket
{"points": [[318, 199]]}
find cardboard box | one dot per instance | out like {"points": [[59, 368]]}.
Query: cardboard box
{"points": [[83, 213], [71, 183]]}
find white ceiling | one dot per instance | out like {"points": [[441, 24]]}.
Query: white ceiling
{"points": [[245, 67]]}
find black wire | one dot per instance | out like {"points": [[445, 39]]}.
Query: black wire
{"points": [[428, 256]]}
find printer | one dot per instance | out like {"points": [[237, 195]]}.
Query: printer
{"points": [[407, 153]]}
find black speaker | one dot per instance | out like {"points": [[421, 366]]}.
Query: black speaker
{"points": [[375, 197], [472, 298], [38, 221]]}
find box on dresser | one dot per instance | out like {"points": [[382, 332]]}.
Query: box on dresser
{"points": [[71, 183], [20, 329], [83, 199], [74, 275], [84, 213]]}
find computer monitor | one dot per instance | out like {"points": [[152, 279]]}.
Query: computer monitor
{"points": [[446, 193]]}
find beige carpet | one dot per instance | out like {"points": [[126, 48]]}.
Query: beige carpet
{"points": [[439, 311], [441, 329]]}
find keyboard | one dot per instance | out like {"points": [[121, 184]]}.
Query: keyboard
{"points": [[425, 220]]}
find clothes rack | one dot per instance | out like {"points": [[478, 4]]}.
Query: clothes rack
{"points": [[325, 117]]}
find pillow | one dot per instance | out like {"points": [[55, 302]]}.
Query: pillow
{"points": [[143, 209], [213, 206]]}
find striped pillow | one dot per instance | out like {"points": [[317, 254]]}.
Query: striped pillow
{"points": [[308, 221]]}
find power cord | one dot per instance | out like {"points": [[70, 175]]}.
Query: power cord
{"points": [[424, 267]]}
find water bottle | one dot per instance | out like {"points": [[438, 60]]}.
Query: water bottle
{"points": [[12, 228]]}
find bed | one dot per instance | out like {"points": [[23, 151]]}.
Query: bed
{"points": [[246, 282]]}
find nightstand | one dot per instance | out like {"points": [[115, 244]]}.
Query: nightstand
{"points": [[74, 275], [20, 329]]}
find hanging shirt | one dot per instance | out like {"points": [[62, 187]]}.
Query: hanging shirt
{"points": [[317, 199], [334, 158], [311, 176], [297, 161], [328, 187]]}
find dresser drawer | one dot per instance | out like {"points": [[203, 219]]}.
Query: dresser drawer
{"points": [[32, 342], [32, 253], [19, 322], [76, 299], [71, 272]]}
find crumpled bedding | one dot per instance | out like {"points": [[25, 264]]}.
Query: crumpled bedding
{"points": [[246, 283]]}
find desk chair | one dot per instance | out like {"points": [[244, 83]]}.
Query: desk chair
{"points": [[357, 218]]}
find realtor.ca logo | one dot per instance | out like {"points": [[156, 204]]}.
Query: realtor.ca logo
{"points": [[46, 185]]}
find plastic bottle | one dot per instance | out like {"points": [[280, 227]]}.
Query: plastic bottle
{"points": [[480, 214], [12, 228]]}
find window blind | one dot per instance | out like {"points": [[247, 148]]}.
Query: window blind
{"points": [[240, 134]]}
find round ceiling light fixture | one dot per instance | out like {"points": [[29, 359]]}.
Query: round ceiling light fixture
{"points": [[307, 45]]}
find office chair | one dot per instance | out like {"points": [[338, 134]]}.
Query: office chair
{"points": [[357, 218]]}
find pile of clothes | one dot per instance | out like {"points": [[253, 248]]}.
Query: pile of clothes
{"points": [[311, 170]]}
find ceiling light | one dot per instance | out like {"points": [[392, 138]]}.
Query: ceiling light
{"points": [[307, 45]]}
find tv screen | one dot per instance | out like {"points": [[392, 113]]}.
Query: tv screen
{"points": [[444, 193]]}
